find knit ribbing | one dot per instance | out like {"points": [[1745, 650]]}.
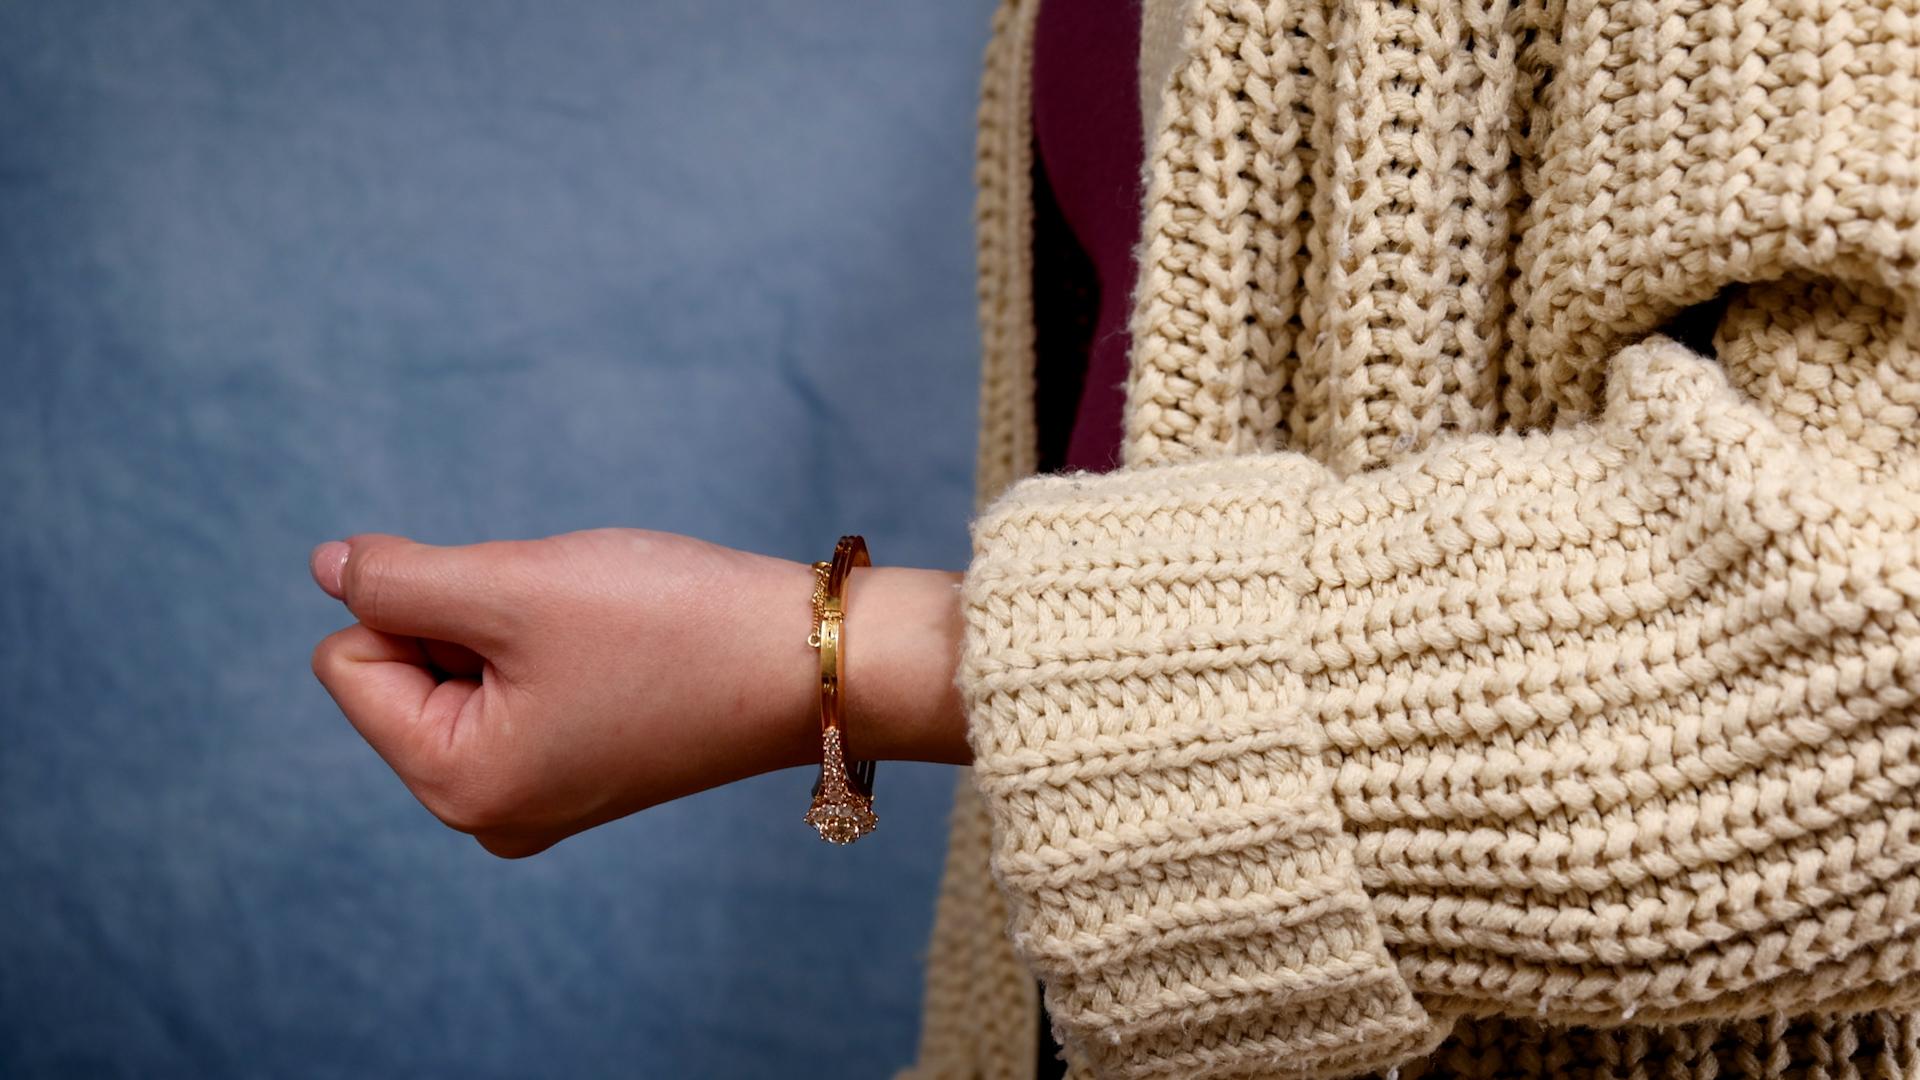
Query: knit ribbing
{"points": [[1871, 1046], [1615, 719]]}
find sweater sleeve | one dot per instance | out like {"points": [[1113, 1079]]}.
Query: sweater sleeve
{"points": [[1288, 771]]}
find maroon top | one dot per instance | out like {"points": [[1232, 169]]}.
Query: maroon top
{"points": [[1086, 126]]}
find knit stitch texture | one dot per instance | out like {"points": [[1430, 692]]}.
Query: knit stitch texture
{"points": [[1460, 676]]}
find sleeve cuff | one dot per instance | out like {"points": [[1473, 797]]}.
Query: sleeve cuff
{"points": [[1164, 829]]}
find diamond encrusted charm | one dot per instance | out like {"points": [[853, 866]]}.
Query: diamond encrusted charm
{"points": [[842, 814]]}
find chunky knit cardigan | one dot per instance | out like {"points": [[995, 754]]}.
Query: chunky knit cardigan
{"points": [[1460, 677]]}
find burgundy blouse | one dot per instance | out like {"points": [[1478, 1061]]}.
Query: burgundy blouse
{"points": [[1086, 127]]}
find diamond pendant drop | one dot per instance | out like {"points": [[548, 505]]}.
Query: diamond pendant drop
{"points": [[842, 814]]}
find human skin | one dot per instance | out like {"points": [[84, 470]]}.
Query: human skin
{"points": [[527, 690]]}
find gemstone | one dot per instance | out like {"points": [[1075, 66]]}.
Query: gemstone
{"points": [[841, 814]]}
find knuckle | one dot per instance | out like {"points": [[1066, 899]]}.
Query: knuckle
{"points": [[464, 810], [326, 658], [475, 800], [458, 816]]}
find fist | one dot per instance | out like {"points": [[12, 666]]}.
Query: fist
{"points": [[527, 690]]}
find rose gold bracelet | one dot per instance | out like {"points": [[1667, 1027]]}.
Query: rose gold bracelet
{"points": [[842, 807]]}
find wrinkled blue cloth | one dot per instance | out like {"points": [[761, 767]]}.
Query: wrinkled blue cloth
{"points": [[276, 273]]}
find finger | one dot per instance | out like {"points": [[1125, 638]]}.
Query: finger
{"points": [[382, 685], [457, 593]]}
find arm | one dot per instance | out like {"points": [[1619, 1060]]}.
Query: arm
{"points": [[1614, 721], [1281, 767], [528, 690]]}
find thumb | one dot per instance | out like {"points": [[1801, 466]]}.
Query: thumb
{"points": [[392, 584]]}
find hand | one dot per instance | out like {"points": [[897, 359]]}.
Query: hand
{"points": [[527, 690]]}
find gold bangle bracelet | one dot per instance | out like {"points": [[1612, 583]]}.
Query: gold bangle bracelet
{"points": [[842, 808]]}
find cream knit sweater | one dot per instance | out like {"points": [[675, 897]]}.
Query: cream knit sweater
{"points": [[1461, 677]]}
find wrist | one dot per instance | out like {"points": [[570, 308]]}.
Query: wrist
{"points": [[902, 639], [790, 706], [901, 648], [901, 642]]}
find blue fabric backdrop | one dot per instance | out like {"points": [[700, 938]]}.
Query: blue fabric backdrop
{"points": [[274, 273]]}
